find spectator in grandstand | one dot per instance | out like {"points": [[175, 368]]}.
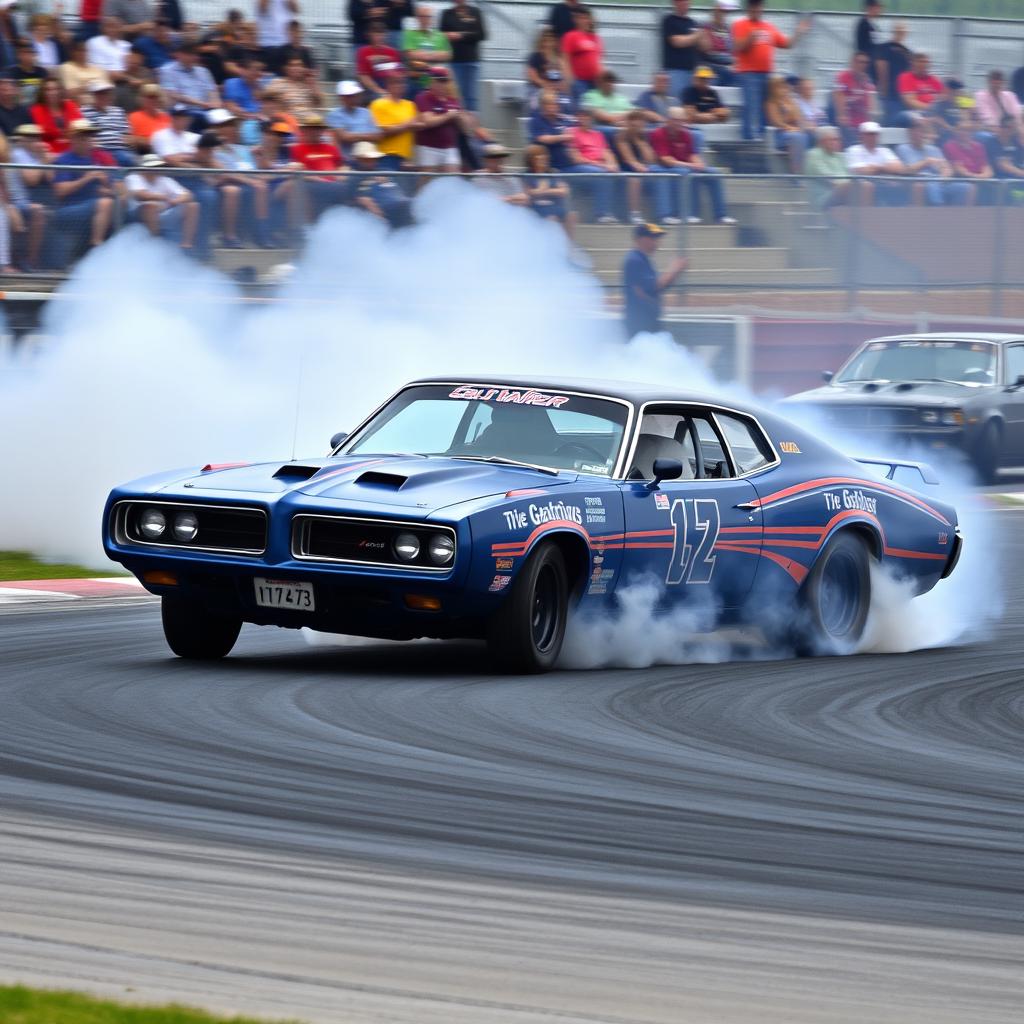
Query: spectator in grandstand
{"points": [[656, 100], [635, 157], [12, 111], [674, 145], [551, 128], [495, 179], [162, 203], [892, 59], [241, 94], [866, 36], [946, 111], [313, 153], [175, 142], [545, 58], [274, 107], [473, 136], [397, 118], [562, 17], [350, 121], [9, 34], [245, 45], [701, 101], [996, 102], [806, 98], [299, 88], [27, 189], [791, 132], [136, 15], [76, 73], [157, 47], [558, 84], [185, 80], [754, 43], [642, 285], [364, 13], [582, 52], [923, 159], [424, 47], [55, 113], [717, 44], [589, 154], [608, 106], [967, 156], [25, 71], [464, 28], [855, 98], [549, 196], [272, 17], [437, 136], [85, 198], [89, 19], [136, 75], [1017, 84], [295, 47], [286, 192], [376, 193], [44, 30], [150, 117], [867, 159], [113, 133], [376, 59], [918, 88], [109, 50], [1005, 152], [827, 164], [681, 40], [237, 158], [219, 197]]}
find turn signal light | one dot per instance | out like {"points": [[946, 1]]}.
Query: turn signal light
{"points": [[160, 578], [422, 603]]}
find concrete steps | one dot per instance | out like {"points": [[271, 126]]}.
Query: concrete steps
{"points": [[704, 258], [699, 277]]}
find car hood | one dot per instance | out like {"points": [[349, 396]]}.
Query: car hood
{"points": [[899, 393], [423, 484]]}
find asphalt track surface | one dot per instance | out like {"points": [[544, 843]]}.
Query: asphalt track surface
{"points": [[395, 834]]}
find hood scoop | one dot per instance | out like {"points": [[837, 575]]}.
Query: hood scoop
{"points": [[293, 472], [905, 386], [392, 481], [870, 387]]}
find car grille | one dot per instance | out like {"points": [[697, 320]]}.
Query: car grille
{"points": [[222, 528], [355, 541], [872, 417]]}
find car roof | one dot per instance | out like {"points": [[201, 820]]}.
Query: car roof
{"points": [[636, 392], [996, 339]]}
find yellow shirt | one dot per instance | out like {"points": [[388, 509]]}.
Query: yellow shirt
{"points": [[387, 112]]}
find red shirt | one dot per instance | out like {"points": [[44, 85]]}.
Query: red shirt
{"points": [[760, 56], [90, 10], [970, 155], [585, 52], [858, 92], [55, 126], [368, 57], [924, 89], [678, 145], [444, 136], [317, 156], [590, 145]]}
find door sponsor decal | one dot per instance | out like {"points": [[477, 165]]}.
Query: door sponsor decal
{"points": [[693, 540]]}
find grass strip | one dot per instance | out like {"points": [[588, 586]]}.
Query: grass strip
{"points": [[22, 1005], [17, 565]]}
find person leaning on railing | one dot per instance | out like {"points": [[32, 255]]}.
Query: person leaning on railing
{"points": [[922, 159], [791, 131], [29, 188], [867, 159], [826, 164], [549, 196]]}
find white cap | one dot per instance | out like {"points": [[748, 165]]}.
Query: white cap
{"points": [[366, 151], [349, 88], [871, 127], [728, 5], [100, 85], [219, 116], [151, 160]]}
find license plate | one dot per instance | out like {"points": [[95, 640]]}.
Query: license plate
{"points": [[284, 594]]}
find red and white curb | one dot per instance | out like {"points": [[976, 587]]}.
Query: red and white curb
{"points": [[30, 591]]}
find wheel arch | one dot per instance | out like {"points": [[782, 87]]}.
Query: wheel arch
{"points": [[868, 531], [576, 551]]}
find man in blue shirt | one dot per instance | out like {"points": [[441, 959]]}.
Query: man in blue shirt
{"points": [[86, 198], [240, 93], [642, 285], [158, 47], [549, 127], [350, 121]]}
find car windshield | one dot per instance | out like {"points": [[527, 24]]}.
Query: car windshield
{"points": [[959, 362], [546, 429]]}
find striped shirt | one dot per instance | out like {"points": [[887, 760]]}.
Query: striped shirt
{"points": [[111, 124]]}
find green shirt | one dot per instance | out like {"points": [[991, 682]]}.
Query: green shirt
{"points": [[616, 103], [823, 164], [431, 40]]}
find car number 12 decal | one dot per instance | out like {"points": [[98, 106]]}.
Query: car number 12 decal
{"points": [[692, 558]]}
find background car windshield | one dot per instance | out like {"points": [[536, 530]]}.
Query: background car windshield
{"points": [[967, 362], [544, 428]]}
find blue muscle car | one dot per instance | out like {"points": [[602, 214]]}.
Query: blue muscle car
{"points": [[495, 509]]}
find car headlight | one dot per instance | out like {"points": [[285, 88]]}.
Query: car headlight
{"points": [[186, 526], [929, 416], [953, 418], [441, 549], [152, 523], [407, 547]]}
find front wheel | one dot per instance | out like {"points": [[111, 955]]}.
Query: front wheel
{"points": [[196, 634], [987, 454], [836, 598], [525, 634]]}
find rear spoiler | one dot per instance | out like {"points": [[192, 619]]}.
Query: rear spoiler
{"points": [[892, 467]]}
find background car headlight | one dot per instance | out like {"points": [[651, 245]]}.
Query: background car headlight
{"points": [[953, 418], [186, 526], [152, 523], [441, 549], [929, 416], [407, 546]]}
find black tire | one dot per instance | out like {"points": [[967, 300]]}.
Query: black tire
{"points": [[835, 598], [194, 633], [987, 453], [525, 635]]}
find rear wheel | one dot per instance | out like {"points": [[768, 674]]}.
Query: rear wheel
{"points": [[836, 597], [526, 633], [194, 633]]}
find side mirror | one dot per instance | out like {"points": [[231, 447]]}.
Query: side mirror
{"points": [[665, 469], [337, 439], [1019, 382], [827, 375]]}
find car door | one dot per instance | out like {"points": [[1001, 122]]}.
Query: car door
{"points": [[699, 535], [1011, 400]]}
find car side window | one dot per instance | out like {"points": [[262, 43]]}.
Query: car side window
{"points": [[669, 435], [749, 447], [1014, 363]]}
